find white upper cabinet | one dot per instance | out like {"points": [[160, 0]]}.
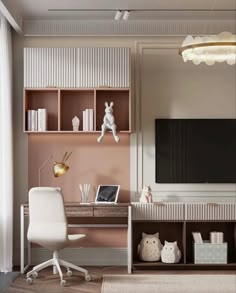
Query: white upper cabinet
{"points": [[76, 67]]}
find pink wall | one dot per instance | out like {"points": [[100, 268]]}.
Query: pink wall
{"points": [[90, 162]]}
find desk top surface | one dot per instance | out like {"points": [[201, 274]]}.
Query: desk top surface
{"points": [[78, 204]]}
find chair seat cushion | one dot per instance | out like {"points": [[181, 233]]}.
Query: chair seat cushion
{"points": [[74, 237]]}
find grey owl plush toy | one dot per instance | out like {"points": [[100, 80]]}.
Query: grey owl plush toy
{"points": [[170, 253], [150, 247]]}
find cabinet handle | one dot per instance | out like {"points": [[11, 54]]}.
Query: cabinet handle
{"points": [[212, 204], [160, 204]]}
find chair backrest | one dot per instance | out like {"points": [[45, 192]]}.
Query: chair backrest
{"points": [[47, 218]]}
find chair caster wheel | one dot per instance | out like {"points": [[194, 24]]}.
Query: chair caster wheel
{"points": [[29, 281], [69, 273], [63, 283], [87, 278], [35, 275]]}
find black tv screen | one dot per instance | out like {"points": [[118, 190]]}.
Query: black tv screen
{"points": [[195, 150]]}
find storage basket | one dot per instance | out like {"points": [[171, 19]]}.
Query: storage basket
{"points": [[210, 253]]}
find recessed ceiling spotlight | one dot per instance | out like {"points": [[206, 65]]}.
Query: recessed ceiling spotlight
{"points": [[118, 15], [126, 15]]}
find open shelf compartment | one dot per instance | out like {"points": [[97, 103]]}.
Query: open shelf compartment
{"points": [[163, 228], [42, 98], [73, 103], [121, 108]]}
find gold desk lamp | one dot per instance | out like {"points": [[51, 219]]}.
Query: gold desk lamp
{"points": [[59, 168]]}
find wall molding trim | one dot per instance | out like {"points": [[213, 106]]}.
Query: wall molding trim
{"points": [[169, 192], [124, 28], [84, 256]]}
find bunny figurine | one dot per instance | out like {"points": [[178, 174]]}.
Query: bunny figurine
{"points": [[108, 123]]}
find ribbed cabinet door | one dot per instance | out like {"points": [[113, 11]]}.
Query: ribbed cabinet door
{"points": [[49, 67], [103, 67], [76, 67]]}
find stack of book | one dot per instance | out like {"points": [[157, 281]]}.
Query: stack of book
{"points": [[37, 120], [88, 120], [217, 237]]}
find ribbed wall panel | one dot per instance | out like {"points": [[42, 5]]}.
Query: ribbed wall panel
{"points": [[102, 67], [167, 211], [49, 67], [203, 211], [132, 27]]}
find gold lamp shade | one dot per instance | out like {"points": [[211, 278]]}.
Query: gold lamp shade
{"points": [[59, 169]]}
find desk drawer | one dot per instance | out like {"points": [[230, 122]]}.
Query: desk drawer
{"points": [[110, 211], [79, 211]]}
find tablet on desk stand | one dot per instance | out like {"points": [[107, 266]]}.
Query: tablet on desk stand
{"points": [[107, 194]]}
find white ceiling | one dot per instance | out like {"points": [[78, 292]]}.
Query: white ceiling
{"points": [[24, 13], [39, 9]]}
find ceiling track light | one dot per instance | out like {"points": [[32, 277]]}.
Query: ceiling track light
{"points": [[118, 15], [126, 15]]}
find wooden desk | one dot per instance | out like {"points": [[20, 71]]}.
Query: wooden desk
{"points": [[84, 215]]}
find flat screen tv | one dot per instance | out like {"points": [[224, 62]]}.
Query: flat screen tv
{"points": [[195, 150]]}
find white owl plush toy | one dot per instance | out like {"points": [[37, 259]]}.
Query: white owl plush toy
{"points": [[170, 253], [150, 247]]}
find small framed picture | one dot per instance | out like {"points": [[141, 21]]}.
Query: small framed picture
{"points": [[107, 194]]}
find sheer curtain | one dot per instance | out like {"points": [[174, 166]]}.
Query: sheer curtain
{"points": [[6, 148]]}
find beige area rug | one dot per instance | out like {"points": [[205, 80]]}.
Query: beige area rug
{"points": [[197, 283]]}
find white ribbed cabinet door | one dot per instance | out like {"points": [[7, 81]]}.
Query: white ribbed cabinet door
{"points": [[103, 67], [49, 67]]}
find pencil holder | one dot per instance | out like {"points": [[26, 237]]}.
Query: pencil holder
{"points": [[84, 190]]}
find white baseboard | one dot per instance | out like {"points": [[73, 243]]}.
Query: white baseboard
{"points": [[85, 256]]}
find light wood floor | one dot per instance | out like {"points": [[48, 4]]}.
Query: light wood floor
{"points": [[49, 283]]}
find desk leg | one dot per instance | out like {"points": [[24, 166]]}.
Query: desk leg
{"points": [[129, 240], [23, 268], [22, 256]]}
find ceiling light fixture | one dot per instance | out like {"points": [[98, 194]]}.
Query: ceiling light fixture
{"points": [[126, 15], [118, 15], [210, 49]]}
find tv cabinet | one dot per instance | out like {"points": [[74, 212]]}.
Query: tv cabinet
{"points": [[63, 104], [176, 222]]}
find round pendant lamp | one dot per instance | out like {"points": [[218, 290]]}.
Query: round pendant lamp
{"points": [[210, 49]]}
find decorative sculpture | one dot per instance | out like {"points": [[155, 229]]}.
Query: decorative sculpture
{"points": [[146, 195], [170, 253], [150, 247], [108, 123], [75, 123]]}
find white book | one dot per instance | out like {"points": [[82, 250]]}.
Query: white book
{"points": [[90, 119], [29, 117], [33, 120], [197, 237], [36, 120], [84, 121], [42, 120]]}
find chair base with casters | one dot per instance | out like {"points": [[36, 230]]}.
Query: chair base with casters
{"points": [[56, 262]]}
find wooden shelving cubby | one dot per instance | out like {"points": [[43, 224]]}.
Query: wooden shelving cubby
{"points": [[35, 99], [181, 231], [63, 104], [176, 222]]}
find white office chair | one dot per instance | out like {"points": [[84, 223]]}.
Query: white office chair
{"points": [[48, 228]]}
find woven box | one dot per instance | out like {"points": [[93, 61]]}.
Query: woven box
{"points": [[210, 253]]}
